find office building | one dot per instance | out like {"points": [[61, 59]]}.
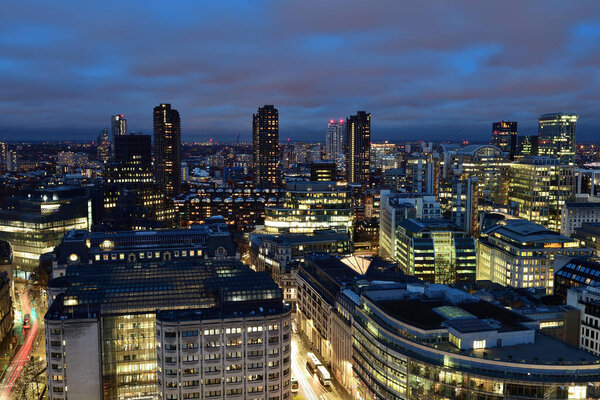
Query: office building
{"points": [[265, 147], [540, 186], [557, 320], [104, 148], [6, 307], [383, 156], [280, 255], [464, 204], [358, 148], [243, 209], [322, 279], [179, 329], [130, 198], [528, 145], [435, 250], [557, 136], [118, 127], [519, 253], [3, 152], [588, 182], [574, 272], [133, 148], [310, 206], [35, 223], [588, 234], [210, 240], [396, 207], [334, 139], [12, 161], [574, 214], [587, 300], [167, 148], [323, 171], [504, 136], [441, 343]]}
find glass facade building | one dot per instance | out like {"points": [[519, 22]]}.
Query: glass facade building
{"points": [[310, 206], [541, 186], [557, 136], [35, 223], [436, 251], [101, 327], [413, 347]]}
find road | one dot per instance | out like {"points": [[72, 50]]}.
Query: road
{"points": [[309, 385], [16, 365]]}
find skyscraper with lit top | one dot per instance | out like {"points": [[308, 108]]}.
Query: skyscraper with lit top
{"points": [[265, 147]]}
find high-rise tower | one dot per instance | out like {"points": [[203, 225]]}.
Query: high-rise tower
{"points": [[334, 140], [504, 136], [265, 146], [167, 144], [557, 136], [358, 147], [118, 127]]}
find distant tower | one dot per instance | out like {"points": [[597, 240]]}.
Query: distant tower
{"points": [[167, 147], [358, 148], [504, 136], [557, 136], [334, 140], [118, 127], [104, 147], [3, 149], [265, 146], [12, 161]]}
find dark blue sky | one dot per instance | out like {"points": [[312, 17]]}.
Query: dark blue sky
{"points": [[428, 69]]}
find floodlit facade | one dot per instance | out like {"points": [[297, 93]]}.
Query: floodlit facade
{"points": [[210, 240], [395, 208], [435, 250], [573, 215], [310, 206], [160, 330], [440, 343], [34, 224], [520, 254], [587, 300], [541, 186]]}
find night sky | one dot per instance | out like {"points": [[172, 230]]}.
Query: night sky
{"points": [[424, 69]]}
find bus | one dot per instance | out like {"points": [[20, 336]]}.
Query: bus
{"points": [[26, 322], [295, 386], [324, 376], [312, 362]]}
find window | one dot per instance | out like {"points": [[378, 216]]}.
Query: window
{"points": [[479, 344]]}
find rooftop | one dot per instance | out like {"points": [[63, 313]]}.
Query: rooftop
{"points": [[176, 285]]}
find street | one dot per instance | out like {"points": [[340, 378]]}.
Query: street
{"points": [[18, 364], [309, 386]]}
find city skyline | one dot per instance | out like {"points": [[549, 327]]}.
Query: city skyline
{"points": [[453, 81]]}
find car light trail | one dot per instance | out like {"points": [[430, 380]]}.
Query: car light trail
{"points": [[18, 362]]}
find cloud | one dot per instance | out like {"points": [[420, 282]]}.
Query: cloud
{"points": [[437, 69]]}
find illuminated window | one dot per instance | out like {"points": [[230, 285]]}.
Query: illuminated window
{"points": [[478, 344]]}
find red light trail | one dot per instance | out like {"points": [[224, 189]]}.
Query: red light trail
{"points": [[16, 365]]}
